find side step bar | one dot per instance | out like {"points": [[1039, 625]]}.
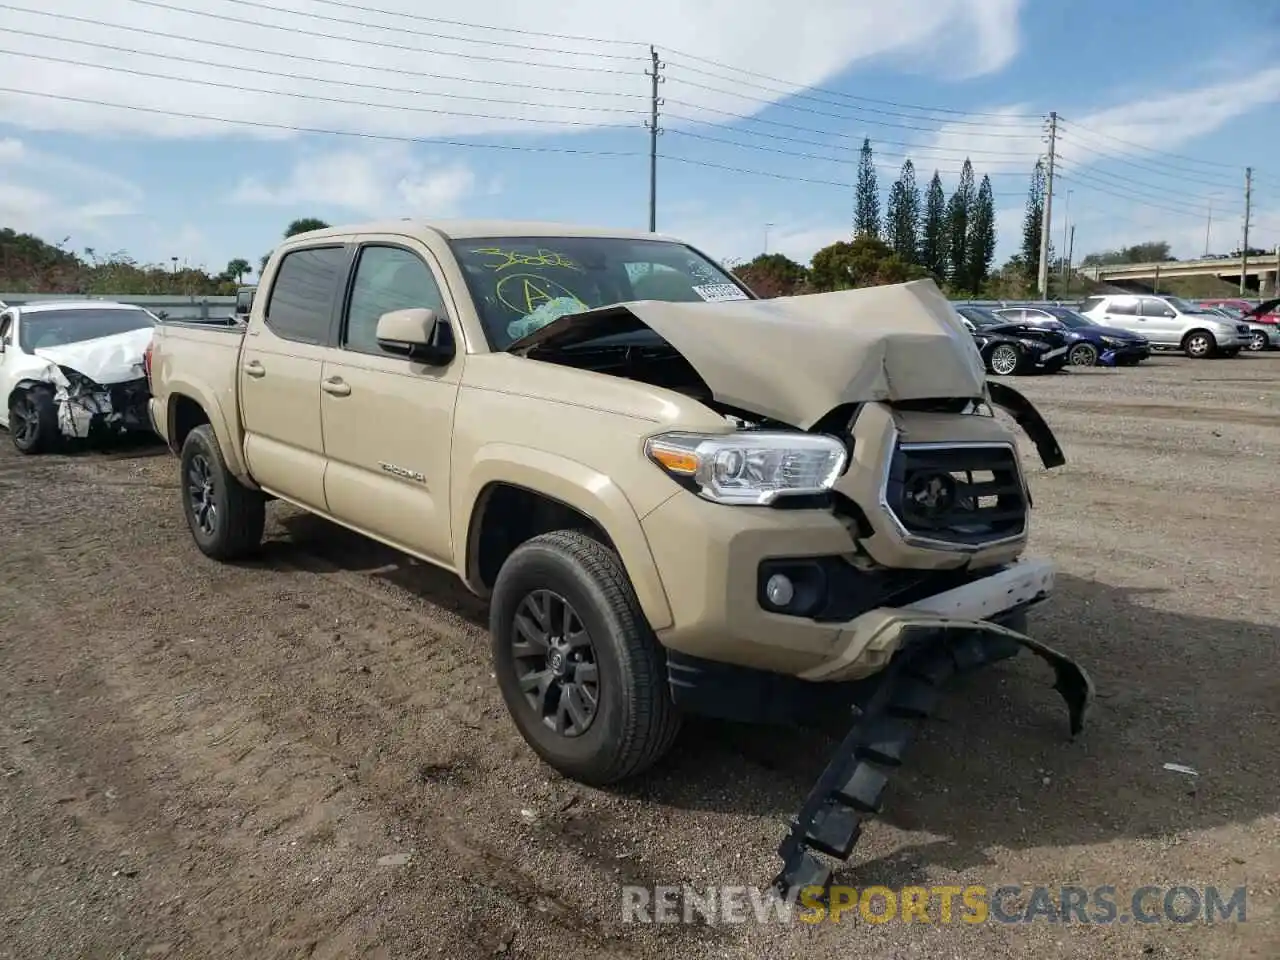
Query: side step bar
{"points": [[852, 786]]}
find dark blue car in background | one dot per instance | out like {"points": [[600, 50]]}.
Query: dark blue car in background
{"points": [[1091, 344]]}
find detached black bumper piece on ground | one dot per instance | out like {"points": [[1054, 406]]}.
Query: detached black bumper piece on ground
{"points": [[905, 693]]}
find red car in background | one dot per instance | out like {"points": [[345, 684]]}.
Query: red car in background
{"points": [[1263, 317]]}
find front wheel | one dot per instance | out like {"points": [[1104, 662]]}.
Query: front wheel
{"points": [[1004, 359], [226, 517], [582, 674], [1083, 355], [33, 420], [1199, 344], [1258, 342]]}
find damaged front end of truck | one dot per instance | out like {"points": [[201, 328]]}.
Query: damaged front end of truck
{"points": [[916, 574]]}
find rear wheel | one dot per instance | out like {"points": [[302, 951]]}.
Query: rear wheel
{"points": [[1083, 355], [33, 420], [226, 517], [1199, 344], [1004, 359], [583, 676]]}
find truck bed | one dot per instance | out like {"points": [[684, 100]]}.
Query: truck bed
{"points": [[198, 360]]}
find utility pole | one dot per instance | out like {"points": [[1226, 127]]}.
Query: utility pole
{"points": [[1066, 222], [1208, 224], [766, 237], [655, 76], [1071, 246], [1244, 247], [1047, 222]]}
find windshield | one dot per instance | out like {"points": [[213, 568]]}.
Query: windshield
{"points": [[1235, 313], [55, 328], [1069, 318], [520, 284]]}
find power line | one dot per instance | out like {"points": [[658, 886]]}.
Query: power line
{"points": [[425, 141], [363, 8], [840, 116], [254, 4], [1154, 167], [1033, 118], [851, 159], [807, 96], [1143, 147], [381, 44], [276, 54], [1074, 177], [292, 128], [1137, 186], [241, 88], [304, 77], [1021, 157]]}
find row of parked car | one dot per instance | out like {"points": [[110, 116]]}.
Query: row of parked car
{"points": [[1115, 330]]}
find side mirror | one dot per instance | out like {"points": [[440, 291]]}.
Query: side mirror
{"points": [[418, 334]]}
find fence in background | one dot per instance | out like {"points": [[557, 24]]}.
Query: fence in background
{"points": [[169, 307]]}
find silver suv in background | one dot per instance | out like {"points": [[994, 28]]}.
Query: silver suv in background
{"points": [[1170, 323]]}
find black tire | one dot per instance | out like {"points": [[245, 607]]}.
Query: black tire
{"points": [[238, 514], [634, 721], [1002, 351], [1083, 355], [1199, 344], [33, 420]]}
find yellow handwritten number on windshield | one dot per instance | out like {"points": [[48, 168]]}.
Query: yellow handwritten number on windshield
{"points": [[524, 292]]}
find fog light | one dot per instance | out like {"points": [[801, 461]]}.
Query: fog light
{"points": [[779, 590]]}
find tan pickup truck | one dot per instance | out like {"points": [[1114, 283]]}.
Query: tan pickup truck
{"points": [[677, 497]]}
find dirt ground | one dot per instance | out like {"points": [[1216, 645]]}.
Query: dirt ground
{"points": [[306, 756]]}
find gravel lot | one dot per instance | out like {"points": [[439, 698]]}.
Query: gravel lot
{"points": [[210, 761]]}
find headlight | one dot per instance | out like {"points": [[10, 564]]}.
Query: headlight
{"points": [[1112, 342], [1033, 344], [749, 467]]}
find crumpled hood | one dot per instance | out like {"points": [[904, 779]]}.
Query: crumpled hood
{"points": [[794, 359], [104, 360]]}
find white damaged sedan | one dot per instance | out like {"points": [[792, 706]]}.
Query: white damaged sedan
{"points": [[73, 369]]}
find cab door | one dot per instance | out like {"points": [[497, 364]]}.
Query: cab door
{"points": [[280, 367], [388, 420]]}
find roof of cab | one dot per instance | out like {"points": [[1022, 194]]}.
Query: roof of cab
{"points": [[473, 229]]}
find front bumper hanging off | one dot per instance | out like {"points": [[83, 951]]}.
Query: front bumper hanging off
{"points": [[851, 787]]}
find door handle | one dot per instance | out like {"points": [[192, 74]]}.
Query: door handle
{"points": [[255, 369], [335, 386]]}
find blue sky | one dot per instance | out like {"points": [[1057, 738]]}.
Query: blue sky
{"points": [[1161, 111]]}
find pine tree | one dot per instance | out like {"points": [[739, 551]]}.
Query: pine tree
{"points": [[866, 219], [902, 219], [959, 212], [933, 235], [982, 238], [1033, 221]]}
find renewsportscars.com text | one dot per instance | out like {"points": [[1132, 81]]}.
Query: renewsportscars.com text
{"points": [[1101, 905]]}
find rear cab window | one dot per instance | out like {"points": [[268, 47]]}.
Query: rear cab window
{"points": [[300, 303]]}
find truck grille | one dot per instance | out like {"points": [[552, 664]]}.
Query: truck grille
{"points": [[963, 495]]}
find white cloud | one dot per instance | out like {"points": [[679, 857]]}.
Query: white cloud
{"points": [[833, 34], [53, 197], [385, 180]]}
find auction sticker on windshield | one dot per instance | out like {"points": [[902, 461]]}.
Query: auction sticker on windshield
{"points": [[719, 292]]}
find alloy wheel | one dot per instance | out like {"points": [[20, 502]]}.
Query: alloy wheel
{"points": [[1004, 360], [201, 495], [1258, 342], [555, 663]]}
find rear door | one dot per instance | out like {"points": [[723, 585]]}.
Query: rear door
{"points": [[1120, 312], [388, 420], [9, 359], [280, 367]]}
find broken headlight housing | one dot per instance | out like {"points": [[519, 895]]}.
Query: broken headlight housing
{"points": [[752, 467]]}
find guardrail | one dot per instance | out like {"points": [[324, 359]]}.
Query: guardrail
{"points": [[167, 307]]}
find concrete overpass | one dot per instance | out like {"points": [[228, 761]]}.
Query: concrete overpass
{"points": [[1262, 274]]}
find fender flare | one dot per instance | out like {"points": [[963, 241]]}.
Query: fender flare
{"points": [[1029, 419], [576, 485]]}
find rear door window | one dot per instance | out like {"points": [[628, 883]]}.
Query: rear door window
{"points": [[1124, 306], [300, 307]]}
